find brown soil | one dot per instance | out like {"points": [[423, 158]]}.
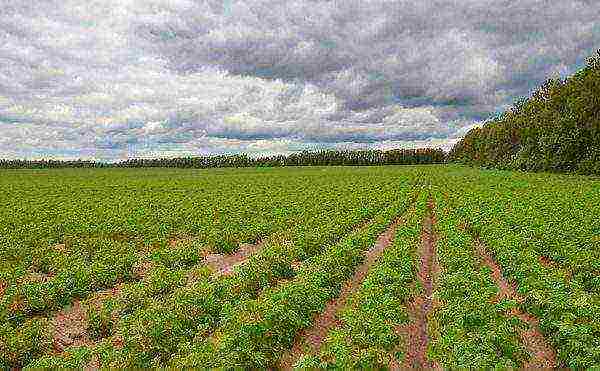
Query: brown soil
{"points": [[223, 265], [99, 297], [296, 265], [35, 276], [70, 325], [61, 247], [94, 364], [118, 342], [419, 309], [3, 286], [70, 328], [551, 264], [547, 262], [311, 339], [542, 353]]}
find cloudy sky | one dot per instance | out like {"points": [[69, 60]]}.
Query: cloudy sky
{"points": [[113, 79]]}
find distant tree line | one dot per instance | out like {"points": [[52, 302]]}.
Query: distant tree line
{"points": [[49, 164], [304, 158], [556, 129]]}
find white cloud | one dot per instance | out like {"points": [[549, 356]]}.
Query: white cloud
{"points": [[118, 78]]}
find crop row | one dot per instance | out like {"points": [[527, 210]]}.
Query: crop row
{"points": [[469, 329], [257, 331], [524, 220], [156, 314], [368, 335], [40, 278]]}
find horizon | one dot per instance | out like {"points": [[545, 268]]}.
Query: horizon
{"points": [[116, 80]]}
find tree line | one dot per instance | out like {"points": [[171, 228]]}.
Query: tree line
{"points": [[556, 129], [304, 158]]}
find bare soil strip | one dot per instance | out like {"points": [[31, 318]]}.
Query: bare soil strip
{"points": [[542, 353], [71, 324], [61, 247], [419, 309], [3, 287], [224, 264], [70, 328], [548, 263], [311, 339]]}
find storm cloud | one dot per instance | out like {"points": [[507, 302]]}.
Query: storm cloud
{"points": [[114, 79]]}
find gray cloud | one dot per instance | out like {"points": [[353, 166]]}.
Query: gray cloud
{"points": [[114, 78]]}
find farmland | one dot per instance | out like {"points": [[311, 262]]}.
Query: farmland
{"points": [[389, 266]]}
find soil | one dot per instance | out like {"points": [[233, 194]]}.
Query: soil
{"points": [[421, 307], [70, 324], [61, 247], [542, 353], [180, 240], [224, 265], [311, 339], [70, 328], [547, 262], [94, 364], [3, 286], [551, 264], [296, 265], [99, 297], [35, 276]]}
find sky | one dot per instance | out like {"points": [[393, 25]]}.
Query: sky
{"points": [[115, 79]]}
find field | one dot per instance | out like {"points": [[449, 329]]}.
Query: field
{"points": [[375, 267]]}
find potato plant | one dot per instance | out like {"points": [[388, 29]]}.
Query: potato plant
{"points": [[367, 337], [129, 246]]}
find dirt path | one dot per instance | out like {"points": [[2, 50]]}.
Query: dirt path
{"points": [[311, 339], [415, 333], [71, 324], [3, 287], [70, 328], [223, 264], [542, 353]]}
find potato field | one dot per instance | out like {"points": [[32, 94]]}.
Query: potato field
{"points": [[301, 267]]}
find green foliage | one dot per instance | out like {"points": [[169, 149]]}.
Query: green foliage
{"points": [[557, 129], [471, 332], [304, 158], [21, 345], [145, 231], [129, 245], [367, 338], [73, 358], [255, 332], [525, 218]]}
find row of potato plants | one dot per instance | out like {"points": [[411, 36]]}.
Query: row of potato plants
{"points": [[83, 266], [143, 307], [169, 270], [94, 264], [255, 332], [199, 306], [468, 329], [368, 336], [523, 219], [150, 206]]}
